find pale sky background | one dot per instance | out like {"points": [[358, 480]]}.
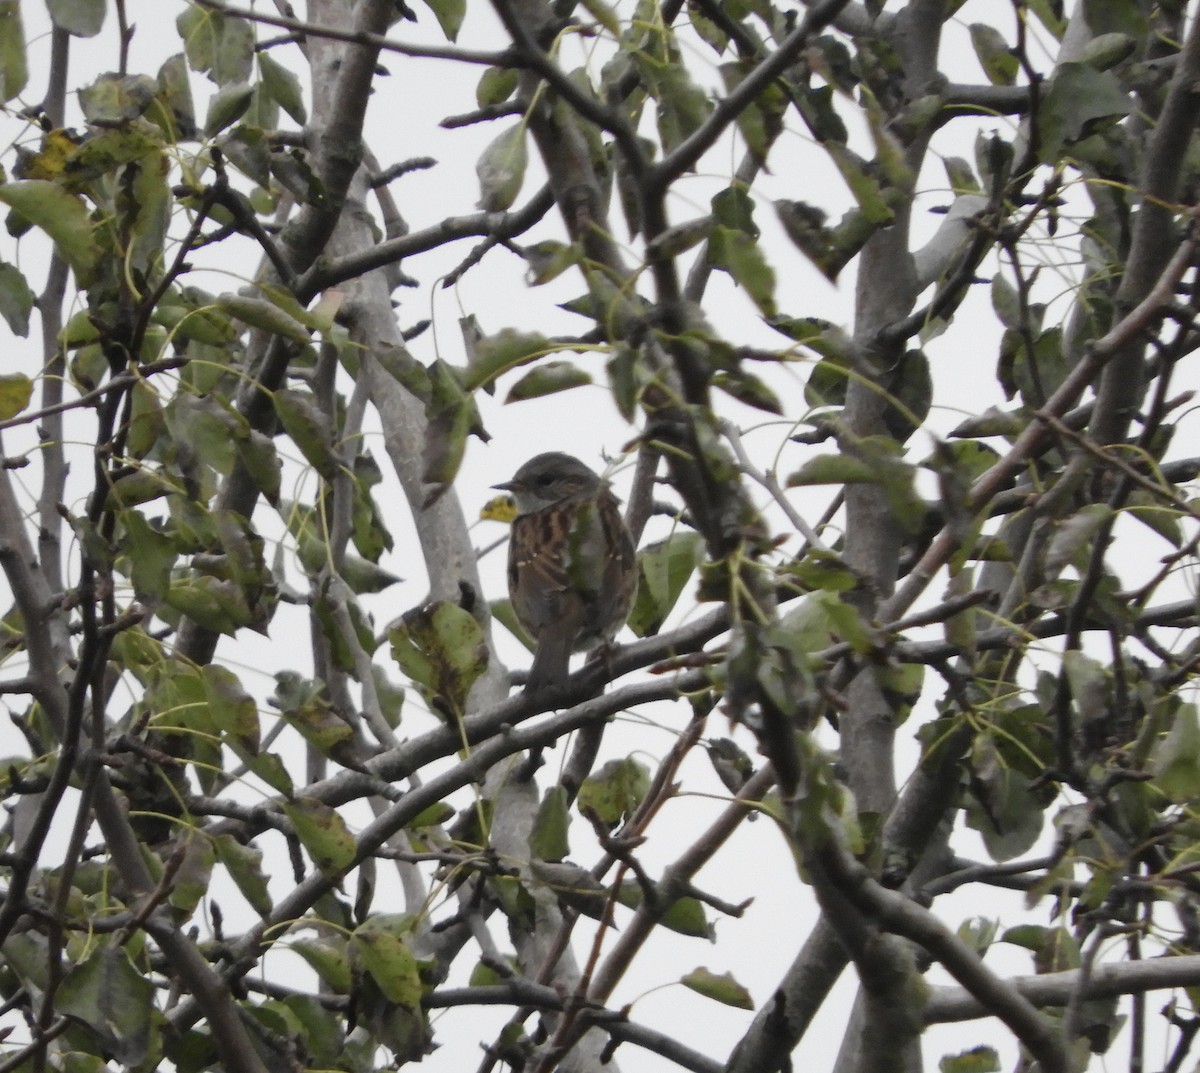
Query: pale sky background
{"points": [[402, 123]]}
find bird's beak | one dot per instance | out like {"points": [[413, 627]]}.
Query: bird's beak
{"points": [[506, 486]]}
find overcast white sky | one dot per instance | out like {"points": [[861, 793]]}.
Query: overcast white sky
{"points": [[402, 124]]}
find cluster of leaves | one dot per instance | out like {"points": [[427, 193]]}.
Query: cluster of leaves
{"points": [[207, 406]]}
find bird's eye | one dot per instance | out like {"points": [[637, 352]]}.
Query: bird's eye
{"points": [[545, 480]]}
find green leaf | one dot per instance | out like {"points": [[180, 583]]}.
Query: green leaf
{"points": [[679, 238], [901, 685], [112, 999], [821, 569], [442, 649], [176, 114], [733, 208], [1036, 376], [244, 865], [863, 183], [823, 337], [1078, 101], [1115, 16], [150, 553], [332, 624], [496, 85], [485, 976], [14, 71], [1176, 759], [322, 832], [266, 315], [204, 432], [1055, 949], [832, 469], [147, 218], [26, 954], [192, 314], [981, 1059], [16, 389], [16, 300], [220, 45], [212, 603], [1073, 535], [330, 958], [270, 768], [501, 169], [747, 389], [364, 576], [193, 876], [1006, 302], [141, 486], [491, 355], [1002, 806], [380, 946], [82, 18], [1050, 14], [449, 14], [708, 30], [978, 933], [453, 416], [263, 114], [306, 706], [257, 453], [548, 839], [1089, 684], [762, 122], [686, 917], [682, 105], [234, 58], [960, 176], [63, 217], [436, 814], [308, 426], [614, 792], [548, 260], [283, 86], [998, 61], [548, 378], [627, 376], [664, 569], [830, 249], [575, 887], [841, 619], [81, 1062], [117, 100], [233, 709], [739, 254], [723, 988], [1148, 509], [1105, 51], [604, 15], [227, 106]]}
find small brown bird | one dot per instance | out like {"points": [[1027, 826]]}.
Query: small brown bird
{"points": [[572, 573]]}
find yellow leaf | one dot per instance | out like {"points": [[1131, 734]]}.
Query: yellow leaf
{"points": [[50, 160], [498, 509]]}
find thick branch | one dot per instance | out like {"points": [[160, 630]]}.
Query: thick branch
{"points": [[899, 914], [1058, 988]]}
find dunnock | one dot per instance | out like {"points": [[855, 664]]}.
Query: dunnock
{"points": [[572, 574]]}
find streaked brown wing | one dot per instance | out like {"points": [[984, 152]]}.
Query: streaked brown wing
{"points": [[537, 575]]}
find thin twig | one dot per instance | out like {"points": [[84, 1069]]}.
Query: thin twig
{"points": [[360, 37]]}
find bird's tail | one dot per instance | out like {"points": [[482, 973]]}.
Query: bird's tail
{"points": [[551, 661]]}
